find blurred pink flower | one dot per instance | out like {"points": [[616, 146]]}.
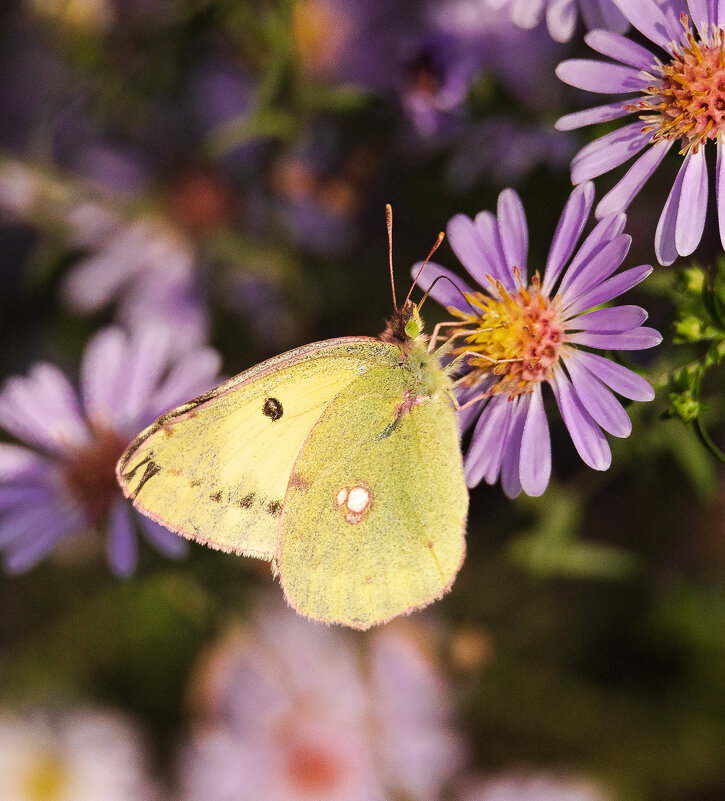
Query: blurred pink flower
{"points": [[291, 711], [526, 786]]}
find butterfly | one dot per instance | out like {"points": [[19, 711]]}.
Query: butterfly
{"points": [[338, 461]]}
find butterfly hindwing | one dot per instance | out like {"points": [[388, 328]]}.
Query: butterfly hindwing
{"points": [[374, 516], [216, 469]]}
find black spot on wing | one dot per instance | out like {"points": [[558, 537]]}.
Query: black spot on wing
{"points": [[273, 409], [216, 496], [151, 469], [247, 501], [274, 508]]}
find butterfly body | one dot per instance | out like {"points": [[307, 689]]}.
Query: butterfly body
{"points": [[339, 461]]}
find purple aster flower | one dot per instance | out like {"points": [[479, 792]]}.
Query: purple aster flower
{"points": [[520, 335], [561, 15], [61, 480], [678, 97]]}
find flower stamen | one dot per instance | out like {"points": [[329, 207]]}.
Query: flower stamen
{"points": [[516, 337], [688, 100]]}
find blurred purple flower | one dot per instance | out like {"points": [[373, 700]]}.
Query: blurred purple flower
{"points": [[221, 98], [504, 151], [80, 755], [520, 336], [679, 97], [391, 48], [522, 60], [291, 712], [561, 15], [148, 269], [61, 480]]}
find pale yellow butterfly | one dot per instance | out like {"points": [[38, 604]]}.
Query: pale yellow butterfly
{"points": [[338, 461]]}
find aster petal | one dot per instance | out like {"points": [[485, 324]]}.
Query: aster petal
{"points": [[600, 236], [42, 409], [596, 269], [658, 24], [166, 542], [102, 371], [465, 240], [444, 292], [510, 480], [526, 13], [470, 413], [568, 230], [513, 229], [535, 459], [13, 496], [485, 453], [609, 289], [147, 358], [665, 248], [593, 116], [195, 372], [122, 546], [704, 14], [561, 19], [605, 409], [636, 339], [692, 207], [614, 319], [19, 463], [608, 152], [622, 194], [601, 76], [602, 14], [25, 552], [621, 379], [495, 264], [720, 190], [27, 522], [620, 48], [586, 435]]}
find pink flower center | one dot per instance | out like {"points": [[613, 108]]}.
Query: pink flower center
{"points": [[688, 102], [89, 471], [517, 337], [313, 769]]}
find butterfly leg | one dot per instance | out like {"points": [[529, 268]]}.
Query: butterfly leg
{"points": [[436, 334]]}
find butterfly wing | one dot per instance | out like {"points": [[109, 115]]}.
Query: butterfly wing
{"points": [[374, 516], [216, 468]]}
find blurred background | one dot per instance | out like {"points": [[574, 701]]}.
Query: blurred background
{"points": [[188, 187]]}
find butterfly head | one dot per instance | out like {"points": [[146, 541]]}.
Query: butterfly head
{"points": [[404, 327]]}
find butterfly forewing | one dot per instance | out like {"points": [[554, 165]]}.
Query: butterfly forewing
{"points": [[374, 516], [216, 469]]}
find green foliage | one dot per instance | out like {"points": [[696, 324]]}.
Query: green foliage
{"points": [[700, 323]]}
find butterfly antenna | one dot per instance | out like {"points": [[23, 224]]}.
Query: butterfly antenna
{"points": [[389, 223], [441, 237], [455, 285]]}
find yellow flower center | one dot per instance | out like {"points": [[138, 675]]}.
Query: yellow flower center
{"points": [[46, 778], [518, 336], [688, 102]]}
